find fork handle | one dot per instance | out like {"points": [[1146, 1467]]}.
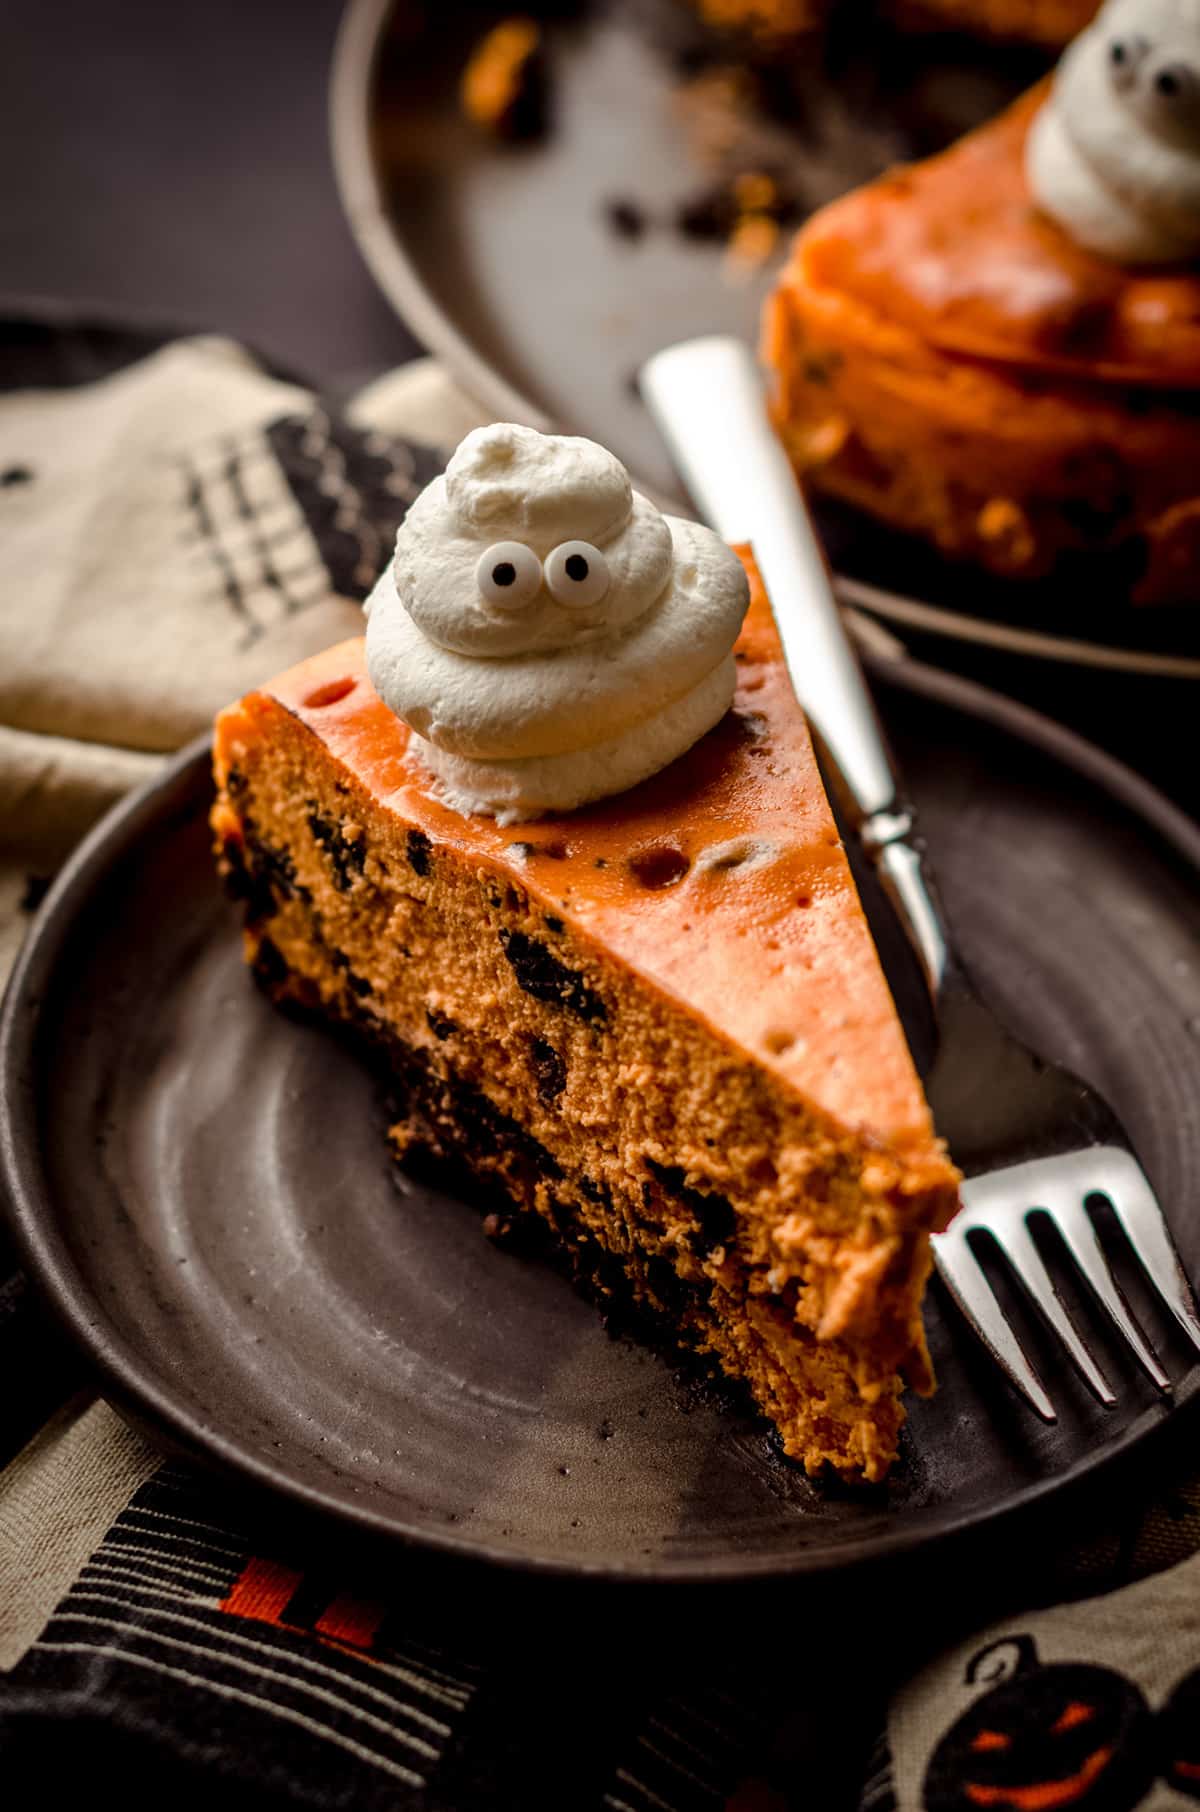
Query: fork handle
{"points": [[706, 397]]}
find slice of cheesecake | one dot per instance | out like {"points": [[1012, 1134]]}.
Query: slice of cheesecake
{"points": [[659, 1023]]}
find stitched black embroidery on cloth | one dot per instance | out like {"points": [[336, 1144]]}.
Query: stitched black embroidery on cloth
{"points": [[353, 488], [1043, 1737], [280, 517]]}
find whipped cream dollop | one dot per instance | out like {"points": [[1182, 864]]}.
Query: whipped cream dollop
{"points": [[1114, 155], [547, 634]]}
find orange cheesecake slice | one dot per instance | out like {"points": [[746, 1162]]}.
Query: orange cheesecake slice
{"points": [[658, 1024]]}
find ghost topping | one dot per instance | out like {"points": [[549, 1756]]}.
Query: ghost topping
{"points": [[1114, 155], [548, 635]]}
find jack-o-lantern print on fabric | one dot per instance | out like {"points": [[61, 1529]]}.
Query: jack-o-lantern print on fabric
{"points": [[1066, 1735], [1178, 1737]]}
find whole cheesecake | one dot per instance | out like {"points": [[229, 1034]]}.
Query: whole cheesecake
{"points": [[657, 1023], [947, 357]]}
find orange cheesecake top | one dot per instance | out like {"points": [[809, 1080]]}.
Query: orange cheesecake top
{"points": [[721, 880], [956, 250]]}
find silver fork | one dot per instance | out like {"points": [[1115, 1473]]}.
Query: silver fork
{"points": [[1030, 1137]]}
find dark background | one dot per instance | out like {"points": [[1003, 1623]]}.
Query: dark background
{"points": [[170, 164]]}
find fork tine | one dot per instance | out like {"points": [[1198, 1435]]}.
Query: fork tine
{"points": [[1074, 1223], [1016, 1242], [1138, 1211], [960, 1271]]}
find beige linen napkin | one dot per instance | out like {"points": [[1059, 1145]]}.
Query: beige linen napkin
{"points": [[155, 563]]}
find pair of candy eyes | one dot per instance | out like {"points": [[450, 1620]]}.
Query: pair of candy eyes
{"points": [[509, 575], [1175, 83]]}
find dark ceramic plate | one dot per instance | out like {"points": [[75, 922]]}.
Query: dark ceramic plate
{"points": [[503, 259], [200, 1188]]}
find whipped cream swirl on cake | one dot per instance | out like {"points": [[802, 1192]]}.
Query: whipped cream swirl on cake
{"points": [[1114, 155], [548, 635]]}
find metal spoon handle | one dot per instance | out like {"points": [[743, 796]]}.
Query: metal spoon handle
{"points": [[706, 397]]}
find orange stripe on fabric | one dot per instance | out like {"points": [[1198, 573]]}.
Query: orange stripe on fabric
{"points": [[1045, 1796], [353, 1621], [1076, 1713], [262, 1591]]}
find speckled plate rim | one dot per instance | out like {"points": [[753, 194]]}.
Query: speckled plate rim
{"points": [[398, 276], [139, 1394]]}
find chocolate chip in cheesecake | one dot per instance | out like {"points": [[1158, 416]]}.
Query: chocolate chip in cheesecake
{"points": [[549, 1071], [540, 974], [417, 847], [346, 859]]}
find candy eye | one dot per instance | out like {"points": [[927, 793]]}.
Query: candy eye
{"points": [[1168, 100], [1125, 56], [1176, 85], [577, 574], [508, 575]]}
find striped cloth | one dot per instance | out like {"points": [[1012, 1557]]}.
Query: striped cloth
{"points": [[184, 1624]]}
